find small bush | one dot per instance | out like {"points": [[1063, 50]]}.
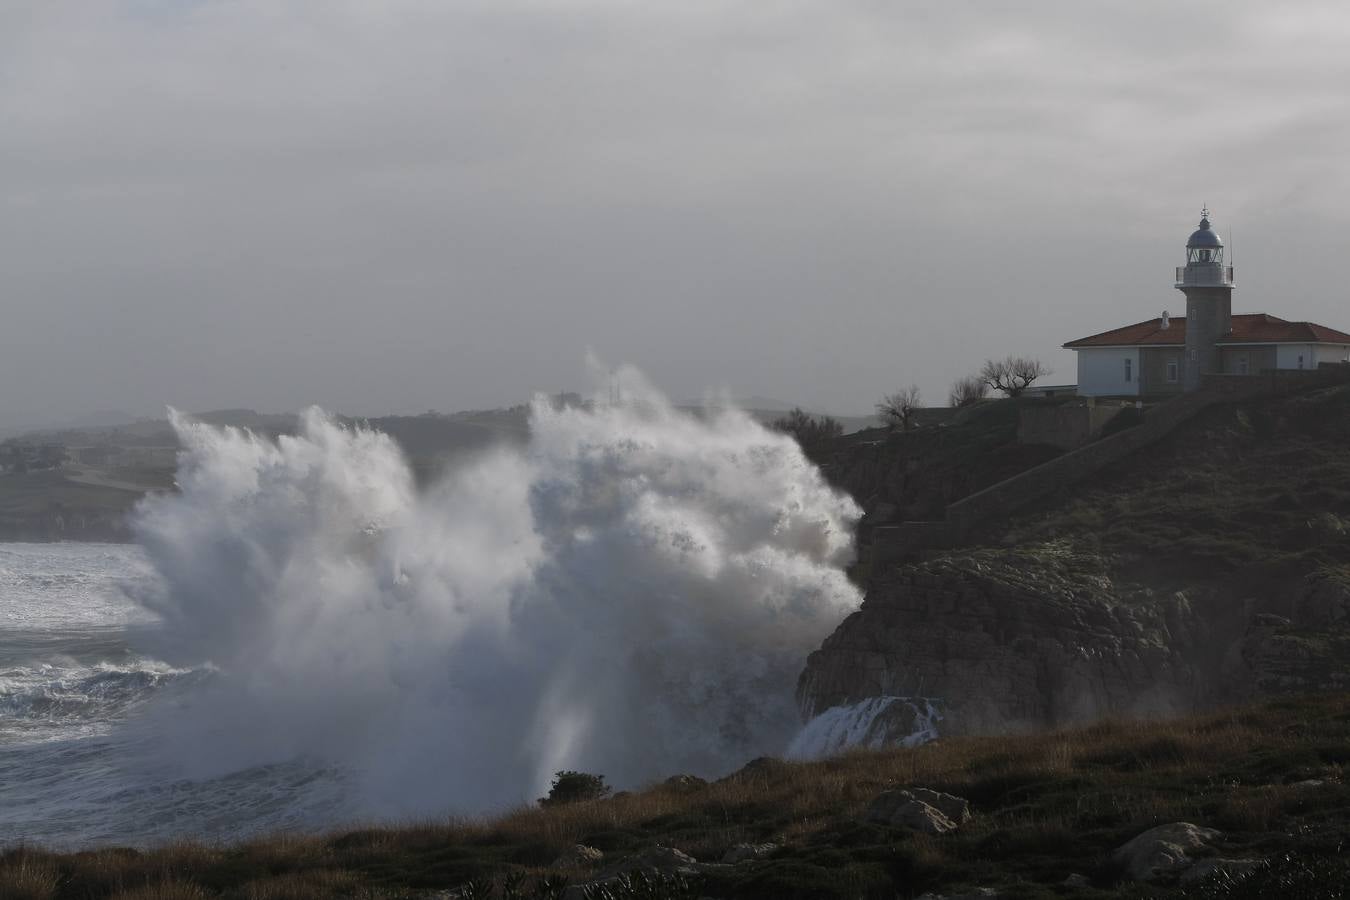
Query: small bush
{"points": [[809, 430], [575, 787]]}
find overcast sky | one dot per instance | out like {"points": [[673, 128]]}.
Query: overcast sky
{"points": [[391, 205]]}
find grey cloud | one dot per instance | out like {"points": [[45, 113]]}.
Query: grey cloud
{"points": [[404, 205]]}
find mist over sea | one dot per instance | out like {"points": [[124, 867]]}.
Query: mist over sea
{"points": [[302, 638]]}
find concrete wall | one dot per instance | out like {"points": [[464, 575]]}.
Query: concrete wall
{"points": [[1101, 372], [1068, 426]]}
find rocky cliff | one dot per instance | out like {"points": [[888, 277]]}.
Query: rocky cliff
{"points": [[1211, 568], [1014, 640]]}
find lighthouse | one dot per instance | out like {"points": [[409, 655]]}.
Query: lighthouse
{"points": [[1208, 286]]}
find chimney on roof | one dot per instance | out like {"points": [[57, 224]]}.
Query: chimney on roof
{"points": [[1166, 321]]}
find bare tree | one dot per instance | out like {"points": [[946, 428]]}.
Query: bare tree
{"points": [[809, 430], [1012, 375], [967, 390], [899, 408]]}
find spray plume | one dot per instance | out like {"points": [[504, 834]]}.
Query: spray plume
{"points": [[633, 593]]}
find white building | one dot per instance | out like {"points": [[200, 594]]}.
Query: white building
{"points": [[1170, 355]]}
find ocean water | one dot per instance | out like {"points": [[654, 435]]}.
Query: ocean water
{"points": [[77, 766]]}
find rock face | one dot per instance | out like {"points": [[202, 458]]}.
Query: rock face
{"points": [[922, 810], [1026, 638], [1162, 851]]}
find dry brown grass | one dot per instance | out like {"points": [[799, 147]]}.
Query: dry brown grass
{"points": [[1043, 803], [29, 877], [163, 890]]}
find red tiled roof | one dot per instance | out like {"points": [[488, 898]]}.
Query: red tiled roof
{"points": [[1251, 328]]}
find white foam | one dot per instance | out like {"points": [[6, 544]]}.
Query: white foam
{"points": [[633, 595], [871, 723]]}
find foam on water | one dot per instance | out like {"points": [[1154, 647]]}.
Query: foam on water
{"points": [[871, 723]]}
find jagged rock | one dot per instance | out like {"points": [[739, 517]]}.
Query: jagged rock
{"points": [[1012, 638], [1233, 869], [955, 808], [901, 808], [1162, 850], [578, 855], [744, 852], [1076, 880]]}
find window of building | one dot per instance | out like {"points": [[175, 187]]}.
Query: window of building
{"points": [[1129, 370], [1172, 370], [1300, 360], [1242, 365]]}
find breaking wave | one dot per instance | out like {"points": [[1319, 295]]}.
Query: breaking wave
{"points": [[875, 722], [633, 593]]}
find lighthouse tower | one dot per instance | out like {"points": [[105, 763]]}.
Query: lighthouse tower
{"points": [[1208, 286]]}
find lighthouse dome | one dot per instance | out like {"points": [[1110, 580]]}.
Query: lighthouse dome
{"points": [[1204, 236]]}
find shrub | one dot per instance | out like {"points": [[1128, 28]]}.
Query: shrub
{"points": [[967, 390], [806, 428], [574, 787]]}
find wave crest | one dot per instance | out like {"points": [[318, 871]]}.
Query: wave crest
{"points": [[633, 593]]}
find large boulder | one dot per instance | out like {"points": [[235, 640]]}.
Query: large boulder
{"points": [[1162, 851], [955, 808], [902, 808]]}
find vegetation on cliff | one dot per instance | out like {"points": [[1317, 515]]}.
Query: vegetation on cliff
{"points": [[1246, 491], [1270, 778]]}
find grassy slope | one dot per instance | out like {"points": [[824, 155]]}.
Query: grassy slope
{"points": [[1045, 806], [921, 471], [1256, 491]]}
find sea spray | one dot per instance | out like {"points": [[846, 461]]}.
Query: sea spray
{"points": [[871, 723], [632, 594]]}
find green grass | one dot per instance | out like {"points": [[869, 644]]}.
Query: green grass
{"points": [[1045, 806]]}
